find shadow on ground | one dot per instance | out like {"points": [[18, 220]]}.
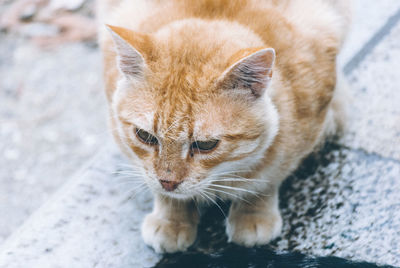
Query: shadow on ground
{"points": [[315, 194]]}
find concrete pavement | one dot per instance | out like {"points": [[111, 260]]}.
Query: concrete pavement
{"points": [[343, 201]]}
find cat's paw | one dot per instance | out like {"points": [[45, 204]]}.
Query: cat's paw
{"points": [[166, 236], [253, 229]]}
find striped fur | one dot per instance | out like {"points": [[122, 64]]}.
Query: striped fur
{"points": [[197, 70]]}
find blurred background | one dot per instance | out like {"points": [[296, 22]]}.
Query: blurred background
{"points": [[52, 107], [53, 110]]}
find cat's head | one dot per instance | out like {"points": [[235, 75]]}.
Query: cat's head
{"points": [[193, 112]]}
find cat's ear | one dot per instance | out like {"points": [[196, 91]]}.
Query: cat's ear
{"points": [[251, 74], [131, 62]]}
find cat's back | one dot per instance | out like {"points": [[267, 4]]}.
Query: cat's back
{"points": [[288, 26], [302, 32], [148, 15]]}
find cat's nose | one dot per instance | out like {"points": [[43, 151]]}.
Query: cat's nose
{"points": [[169, 185]]}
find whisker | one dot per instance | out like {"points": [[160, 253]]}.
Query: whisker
{"points": [[137, 185], [222, 179], [127, 173], [238, 189], [213, 201], [195, 204], [134, 192], [128, 182], [231, 194], [128, 177], [230, 176], [234, 171], [128, 167]]}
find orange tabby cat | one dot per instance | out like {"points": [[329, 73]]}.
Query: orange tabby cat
{"points": [[219, 99]]}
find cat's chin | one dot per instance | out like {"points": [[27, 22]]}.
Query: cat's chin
{"points": [[176, 195]]}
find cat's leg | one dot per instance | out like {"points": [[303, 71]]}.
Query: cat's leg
{"points": [[335, 120], [171, 226], [256, 222]]}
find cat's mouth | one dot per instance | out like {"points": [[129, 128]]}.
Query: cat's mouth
{"points": [[183, 191]]}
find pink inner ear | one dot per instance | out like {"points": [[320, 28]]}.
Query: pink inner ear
{"points": [[130, 61], [253, 72]]}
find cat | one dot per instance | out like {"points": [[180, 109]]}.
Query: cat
{"points": [[220, 100]]}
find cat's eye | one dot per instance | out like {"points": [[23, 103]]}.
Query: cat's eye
{"points": [[146, 137], [204, 146]]}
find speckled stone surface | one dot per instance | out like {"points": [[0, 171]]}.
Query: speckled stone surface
{"points": [[90, 222], [343, 202], [44, 136], [340, 202], [44, 92], [374, 121]]}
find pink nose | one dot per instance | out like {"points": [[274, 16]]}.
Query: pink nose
{"points": [[169, 185]]}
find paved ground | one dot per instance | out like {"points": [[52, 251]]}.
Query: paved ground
{"points": [[44, 94], [52, 116]]}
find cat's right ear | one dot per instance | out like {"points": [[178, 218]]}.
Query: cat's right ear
{"points": [[251, 74], [128, 44]]}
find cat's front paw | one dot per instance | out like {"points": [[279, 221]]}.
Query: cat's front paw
{"points": [[166, 236], [253, 229]]}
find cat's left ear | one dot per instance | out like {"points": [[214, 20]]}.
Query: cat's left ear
{"points": [[132, 49], [251, 74]]}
